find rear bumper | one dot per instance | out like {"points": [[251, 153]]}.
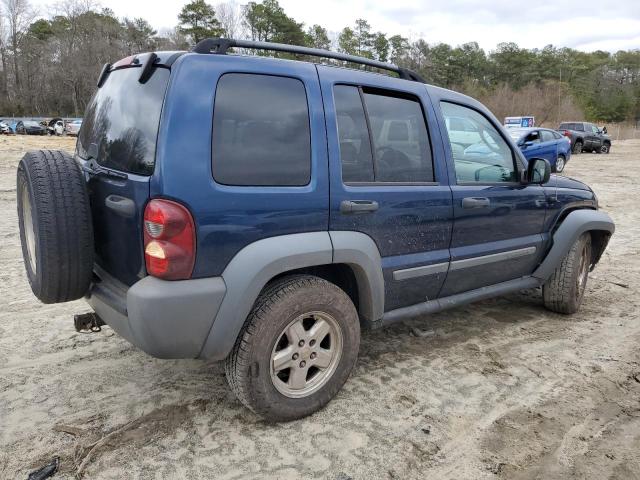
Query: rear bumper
{"points": [[166, 319]]}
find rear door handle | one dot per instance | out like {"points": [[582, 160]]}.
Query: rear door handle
{"points": [[475, 202], [358, 206]]}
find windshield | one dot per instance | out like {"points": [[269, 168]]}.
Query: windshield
{"points": [[120, 126]]}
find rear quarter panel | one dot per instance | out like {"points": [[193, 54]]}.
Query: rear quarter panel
{"points": [[228, 218]]}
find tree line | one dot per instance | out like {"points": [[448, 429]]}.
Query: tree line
{"points": [[49, 64]]}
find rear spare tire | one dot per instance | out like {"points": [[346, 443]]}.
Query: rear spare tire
{"points": [[55, 226]]}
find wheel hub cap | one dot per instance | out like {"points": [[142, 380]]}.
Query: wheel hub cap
{"points": [[306, 354]]}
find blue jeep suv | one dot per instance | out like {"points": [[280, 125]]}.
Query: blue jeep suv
{"points": [[263, 211]]}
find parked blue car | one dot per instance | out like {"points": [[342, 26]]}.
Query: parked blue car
{"points": [[543, 143]]}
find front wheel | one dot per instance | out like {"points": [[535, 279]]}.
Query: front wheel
{"points": [[560, 163], [296, 349], [564, 291], [605, 148]]}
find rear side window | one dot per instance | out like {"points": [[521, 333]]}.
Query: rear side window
{"points": [[120, 126], [547, 136], [383, 140], [261, 134], [355, 146]]}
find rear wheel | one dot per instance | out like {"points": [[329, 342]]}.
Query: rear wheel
{"points": [[296, 349], [577, 147], [564, 291], [55, 226], [560, 163]]}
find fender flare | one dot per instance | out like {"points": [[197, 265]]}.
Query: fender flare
{"points": [[256, 264], [575, 224]]}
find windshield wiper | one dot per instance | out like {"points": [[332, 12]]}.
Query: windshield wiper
{"points": [[92, 168]]}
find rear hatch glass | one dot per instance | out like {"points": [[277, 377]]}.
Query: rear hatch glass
{"points": [[119, 131], [121, 121]]}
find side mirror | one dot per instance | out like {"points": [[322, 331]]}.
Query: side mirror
{"points": [[538, 170], [527, 144]]}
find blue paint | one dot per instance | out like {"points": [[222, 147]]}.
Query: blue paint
{"points": [[415, 225]]}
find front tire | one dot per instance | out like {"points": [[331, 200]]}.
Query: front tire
{"points": [[560, 163], [564, 291], [605, 148], [296, 349]]}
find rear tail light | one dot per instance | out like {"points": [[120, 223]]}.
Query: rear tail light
{"points": [[169, 240], [566, 133]]}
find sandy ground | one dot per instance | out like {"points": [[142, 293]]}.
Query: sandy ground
{"points": [[500, 389]]}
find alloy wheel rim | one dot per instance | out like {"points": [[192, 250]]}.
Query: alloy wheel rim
{"points": [[29, 235], [560, 164], [306, 354]]}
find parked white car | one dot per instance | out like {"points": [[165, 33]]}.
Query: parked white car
{"points": [[74, 127]]}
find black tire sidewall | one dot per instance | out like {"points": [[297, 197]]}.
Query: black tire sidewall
{"points": [[24, 182], [330, 300]]}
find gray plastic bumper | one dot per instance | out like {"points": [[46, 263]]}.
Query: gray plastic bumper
{"points": [[166, 319]]}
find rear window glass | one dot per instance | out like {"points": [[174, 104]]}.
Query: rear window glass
{"points": [[261, 134], [120, 126], [579, 127]]}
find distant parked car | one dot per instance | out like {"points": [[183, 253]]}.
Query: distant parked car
{"points": [[73, 127], [585, 137], [5, 128], [55, 126], [543, 143], [30, 127]]}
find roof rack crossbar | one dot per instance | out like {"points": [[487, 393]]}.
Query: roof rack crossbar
{"points": [[221, 45]]}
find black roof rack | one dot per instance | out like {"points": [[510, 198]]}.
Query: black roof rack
{"points": [[221, 45]]}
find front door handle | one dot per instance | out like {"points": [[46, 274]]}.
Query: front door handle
{"points": [[358, 206], [475, 202]]}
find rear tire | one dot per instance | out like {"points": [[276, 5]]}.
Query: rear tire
{"points": [[577, 147], [560, 163], [564, 291], [55, 226], [278, 368]]}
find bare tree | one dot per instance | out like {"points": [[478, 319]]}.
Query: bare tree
{"points": [[230, 17], [19, 15], [4, 90]]}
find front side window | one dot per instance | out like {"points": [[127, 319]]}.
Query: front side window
{"points": [[383, 140], [484, 157], [261, 134], [533, 137]]}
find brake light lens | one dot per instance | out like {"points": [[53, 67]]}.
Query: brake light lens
{"points": [[169, 240]]}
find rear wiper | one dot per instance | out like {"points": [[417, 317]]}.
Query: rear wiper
{"points": [[92, 168]]}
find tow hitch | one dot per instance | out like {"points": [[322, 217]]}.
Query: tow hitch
{"points": [[87, 322]]}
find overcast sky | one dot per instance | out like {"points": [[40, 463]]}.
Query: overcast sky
{"points": [[583, 24]]}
